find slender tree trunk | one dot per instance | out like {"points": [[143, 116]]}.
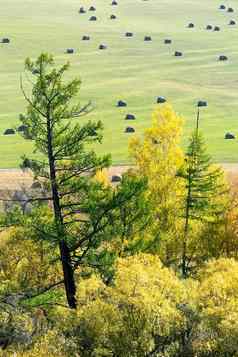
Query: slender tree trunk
{"points": [[186, 229], [68, 272], [69, 282], [184, 253]]}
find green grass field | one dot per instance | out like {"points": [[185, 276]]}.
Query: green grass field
{"points": [[130, 69]]}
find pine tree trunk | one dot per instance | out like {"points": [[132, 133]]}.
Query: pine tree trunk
{"points": [[184, 254], [68, 272], [186, 229], [69, 282]]}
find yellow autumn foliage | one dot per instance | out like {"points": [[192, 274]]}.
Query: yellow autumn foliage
{"points": [[123, 319], [147, 308], [158, 156], [217, 298], [25, 264], [101, 176]]}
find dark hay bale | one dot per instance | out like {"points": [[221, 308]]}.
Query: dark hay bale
{"points": [[85, 38], [201, 103], [36, 185], [161, 100], [35, 71], [26, 164], [130, 117], [113, 17], [92, 8], [9, 132], [22, 128], [167, 41], [232, 23], [223, 58], [129, 34], [93, 18], [82, 10], [178, 54], [5, 40], [116, 178], [121, 103], [229, 136], [230, 9], [70, 50], [147, 38], [102, 47], [222, 7], [216, 28], [114, 3], [209, 27], [191, 25], [129, 129]]}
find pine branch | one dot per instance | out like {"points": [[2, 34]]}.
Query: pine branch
{"points": [[29, 101]]}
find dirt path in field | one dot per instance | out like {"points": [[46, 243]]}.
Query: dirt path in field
{"points": [[230, 168], [16, 179]]}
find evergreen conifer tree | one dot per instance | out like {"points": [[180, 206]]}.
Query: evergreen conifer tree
{"points": [[203, 182], [84, 210]]}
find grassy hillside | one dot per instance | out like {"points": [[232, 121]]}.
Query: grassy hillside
{"points": [[130, 69]]}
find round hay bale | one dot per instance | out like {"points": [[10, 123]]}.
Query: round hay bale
{"points": [[129, 34], [147, 38], [201, 103], [223, 58], [121, 103], [130, 117], [229, 136], [114, 3], [35, 71], [209, 27], [167, 41], [22, 128], [178, 54], [113, 17], [9, 132], [232, 23], [82, 10], [102, 47], [36, 185], [5, 40], [161, 100], [116, 178], [26, 163], [93, 18], [230, 9], [216, 28], [85, 38], [92, 8], [70, 50], [191, 25], [222, 7], [129, 129]]}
